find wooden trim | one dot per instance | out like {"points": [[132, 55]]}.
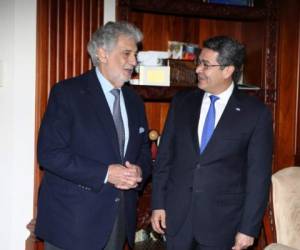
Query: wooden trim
{"points": [[288, 85]]}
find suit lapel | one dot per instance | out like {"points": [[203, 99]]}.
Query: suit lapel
{"points": [[229, 115], [194, 113], [98, 101], [132, 115]]}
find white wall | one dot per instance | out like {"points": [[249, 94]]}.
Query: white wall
{"points": [[17, 96]]}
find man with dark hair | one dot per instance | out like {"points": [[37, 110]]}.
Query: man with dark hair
{"points": [[93, 147], [212, 173]]}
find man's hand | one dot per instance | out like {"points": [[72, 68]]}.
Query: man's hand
{"points": [[242, 241], [136, 170], [124, 177], [158, 220]]}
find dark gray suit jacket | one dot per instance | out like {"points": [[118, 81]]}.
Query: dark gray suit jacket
{"points": [[227, 184], [77, 142]]}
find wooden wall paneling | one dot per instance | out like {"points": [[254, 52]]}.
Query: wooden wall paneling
{"points": [[213, 27], [164, 112], [69, 38], [86, 34], [288, 83], [61, 41], [271, 62], [159, 29], [138, 21], [190, 30], [156, 115], [253, 34], [78, 20], [63, 29], [153, 112], [153, 24], [52, 37]]}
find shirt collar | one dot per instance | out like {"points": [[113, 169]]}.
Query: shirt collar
{"points": [[224, 96], [105, 84]]}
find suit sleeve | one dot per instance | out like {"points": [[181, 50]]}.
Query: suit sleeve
{"points": [[164, 160], [258, 176], [54, 150]]}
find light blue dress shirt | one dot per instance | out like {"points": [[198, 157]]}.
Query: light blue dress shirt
{"points": [[107, 87]]}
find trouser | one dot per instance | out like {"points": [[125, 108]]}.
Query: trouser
{"points": [[185, 240], [118, 235]]}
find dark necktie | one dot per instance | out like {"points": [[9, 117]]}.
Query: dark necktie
{"points": [[209, 124], [118, 121]]}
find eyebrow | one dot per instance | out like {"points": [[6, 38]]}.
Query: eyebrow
{"points": [[130, 51], [204, 60], [127, 49]]}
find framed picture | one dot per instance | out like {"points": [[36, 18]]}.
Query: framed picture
{"points": [[183, 51]]}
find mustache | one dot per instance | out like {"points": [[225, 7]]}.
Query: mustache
{"points": [[129, 68], [201, 78]]}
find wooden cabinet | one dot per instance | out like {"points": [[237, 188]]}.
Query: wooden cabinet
{"points": [[194, 21]]}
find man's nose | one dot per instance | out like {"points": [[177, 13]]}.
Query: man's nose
{"points": [[132, 60], [199, 68]]}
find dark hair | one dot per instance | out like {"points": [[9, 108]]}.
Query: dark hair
{"points": [[231, 52]]}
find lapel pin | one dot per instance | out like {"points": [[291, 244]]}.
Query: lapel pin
{"points": [[237, 109]]}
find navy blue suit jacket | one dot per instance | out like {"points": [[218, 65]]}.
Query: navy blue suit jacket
{"points": [[77, 142], [225, 187]]}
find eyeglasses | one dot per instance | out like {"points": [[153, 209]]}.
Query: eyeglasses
{"points": [[206, 65]]}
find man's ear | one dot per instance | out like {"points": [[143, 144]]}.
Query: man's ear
{"points": [[102, 55], [228, 71]]}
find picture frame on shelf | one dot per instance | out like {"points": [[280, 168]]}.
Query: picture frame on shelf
{"points": [[183, 50]]}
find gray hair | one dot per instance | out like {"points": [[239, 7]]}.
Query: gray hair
{"points": [[106, 37]]}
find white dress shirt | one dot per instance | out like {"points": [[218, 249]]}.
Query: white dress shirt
{"points": [[107, 87], [220, 105]]}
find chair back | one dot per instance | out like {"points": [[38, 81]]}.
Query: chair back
{"points": [[286, 206]]}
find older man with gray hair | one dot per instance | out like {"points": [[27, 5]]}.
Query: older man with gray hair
{"points": [[94, 150]]}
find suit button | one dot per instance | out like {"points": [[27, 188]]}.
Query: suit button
{"points": [[117, 199], [198, 166]]}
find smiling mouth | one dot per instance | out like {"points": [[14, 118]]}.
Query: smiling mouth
{"points": [[201, 78], [129, 71]]}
